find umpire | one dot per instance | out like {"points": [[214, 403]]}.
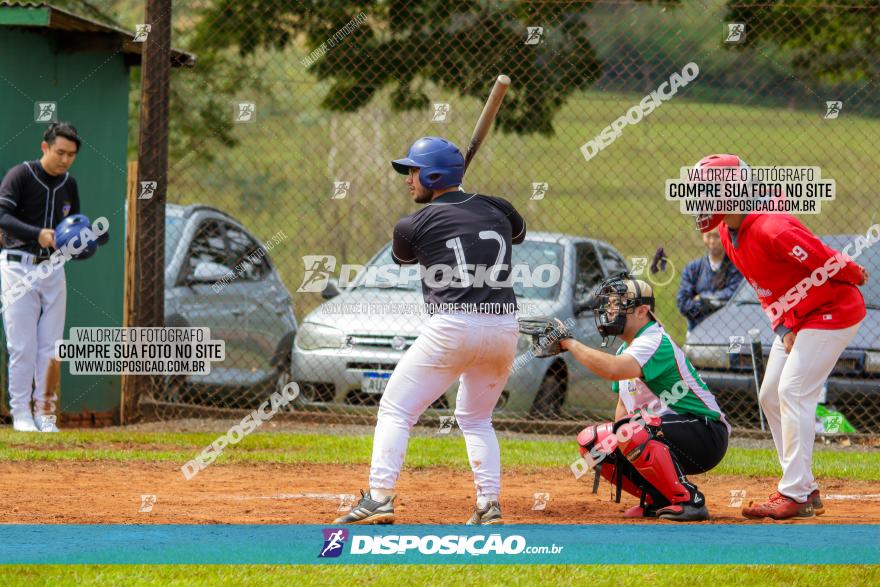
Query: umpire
{"points": [[34, 197]]}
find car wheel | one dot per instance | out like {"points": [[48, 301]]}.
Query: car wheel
{"points": [[551, 394], [284, 376]]}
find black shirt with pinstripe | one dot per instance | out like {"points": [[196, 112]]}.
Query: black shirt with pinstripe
{"points": [[31, 200], [460, 229]]}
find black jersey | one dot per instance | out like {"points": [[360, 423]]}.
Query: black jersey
{"points": [[463, 243], [31, 200]]}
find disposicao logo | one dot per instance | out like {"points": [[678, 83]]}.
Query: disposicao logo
{"points": [[334, 541]]}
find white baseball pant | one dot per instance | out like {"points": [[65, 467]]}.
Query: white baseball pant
{"points": [[477, 349], [789, 396], [33, 322]]}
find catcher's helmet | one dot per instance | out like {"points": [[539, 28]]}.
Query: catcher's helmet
{"points": [[68, 233], [620, 295], [709, 220], [440, 163]]}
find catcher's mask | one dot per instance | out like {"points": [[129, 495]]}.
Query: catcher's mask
{"points": [[615, 299]]}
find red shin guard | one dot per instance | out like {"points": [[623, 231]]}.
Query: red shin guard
{"points": [[654, 461]]}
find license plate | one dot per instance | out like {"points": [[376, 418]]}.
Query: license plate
{"points": [[374, 382]]}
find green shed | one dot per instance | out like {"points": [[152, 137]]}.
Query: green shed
{"points": [[80, 63]]}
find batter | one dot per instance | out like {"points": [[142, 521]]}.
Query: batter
{"points": [[464, 231]]}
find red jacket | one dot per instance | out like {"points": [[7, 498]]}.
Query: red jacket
{"points": [[775, 253]]}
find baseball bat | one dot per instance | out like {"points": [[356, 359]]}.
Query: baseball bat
{"points": [[758, 368], [487, 117], [53, 388]]}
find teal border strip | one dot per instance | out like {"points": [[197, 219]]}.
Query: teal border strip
{"points": [[662, 543]]}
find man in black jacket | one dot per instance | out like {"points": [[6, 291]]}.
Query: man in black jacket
{"points": [[34, 197]]}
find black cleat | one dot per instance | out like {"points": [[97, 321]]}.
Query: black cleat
{"points": [[690, 511], [684, 512]]}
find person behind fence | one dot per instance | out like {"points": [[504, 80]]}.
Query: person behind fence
{"points": [[707, 283], [34, 197], [667, 422], [810, 293]]}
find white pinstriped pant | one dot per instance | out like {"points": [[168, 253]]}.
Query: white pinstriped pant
{"points": [[789, 396], [33, 323], [477, 349]]}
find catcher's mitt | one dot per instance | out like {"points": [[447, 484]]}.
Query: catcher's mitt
{"points": [[546, 333]]}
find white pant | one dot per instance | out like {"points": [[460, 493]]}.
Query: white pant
{"points": [[789, 395], [480, 350], [33, 323]]}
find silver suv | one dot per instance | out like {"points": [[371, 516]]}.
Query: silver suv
{"points": [[217, 274], [345, 359]]}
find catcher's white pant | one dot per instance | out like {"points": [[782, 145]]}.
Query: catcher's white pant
{"points": [[477, 349], [789, 395], [33, 323]]}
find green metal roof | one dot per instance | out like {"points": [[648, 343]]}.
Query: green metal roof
{"points": [[49, 16]]}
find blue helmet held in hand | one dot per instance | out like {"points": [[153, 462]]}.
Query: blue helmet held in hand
{"points": [[440, 163], [68, 235]]}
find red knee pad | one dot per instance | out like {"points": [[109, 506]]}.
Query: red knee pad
{"points": [[631, 434], [600, 436], [637, 430], [596, 444]]}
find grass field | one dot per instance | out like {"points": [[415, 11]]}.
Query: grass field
{"points": [[285, 447], [550, 575]]}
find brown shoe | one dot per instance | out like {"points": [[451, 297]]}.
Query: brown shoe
{"points": [[779, 507]]}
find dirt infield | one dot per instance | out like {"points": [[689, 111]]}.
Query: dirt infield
{"points": [[110, 492]]}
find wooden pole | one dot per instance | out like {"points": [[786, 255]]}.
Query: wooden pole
{"points": [[145, 265], [127, 411]]}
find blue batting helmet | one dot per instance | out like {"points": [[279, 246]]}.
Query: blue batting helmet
{"points": [[440, 163], [69, 233]]}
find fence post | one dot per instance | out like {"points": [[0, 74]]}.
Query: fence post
{"points": [[145, 248]]}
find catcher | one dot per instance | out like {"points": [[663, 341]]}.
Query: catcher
{"points": [[667, 422]]}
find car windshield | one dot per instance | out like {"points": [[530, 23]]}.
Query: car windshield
{"points": [[869, 259], [532, 254]]}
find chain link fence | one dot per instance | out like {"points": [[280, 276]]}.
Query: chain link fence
{"points": [[280, 185]]}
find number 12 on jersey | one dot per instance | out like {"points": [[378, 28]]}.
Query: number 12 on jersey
{"points": [[461, 268]]}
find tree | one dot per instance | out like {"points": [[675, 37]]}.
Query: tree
{"points": [[838, 42], [200, 97], [459, 45]]}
